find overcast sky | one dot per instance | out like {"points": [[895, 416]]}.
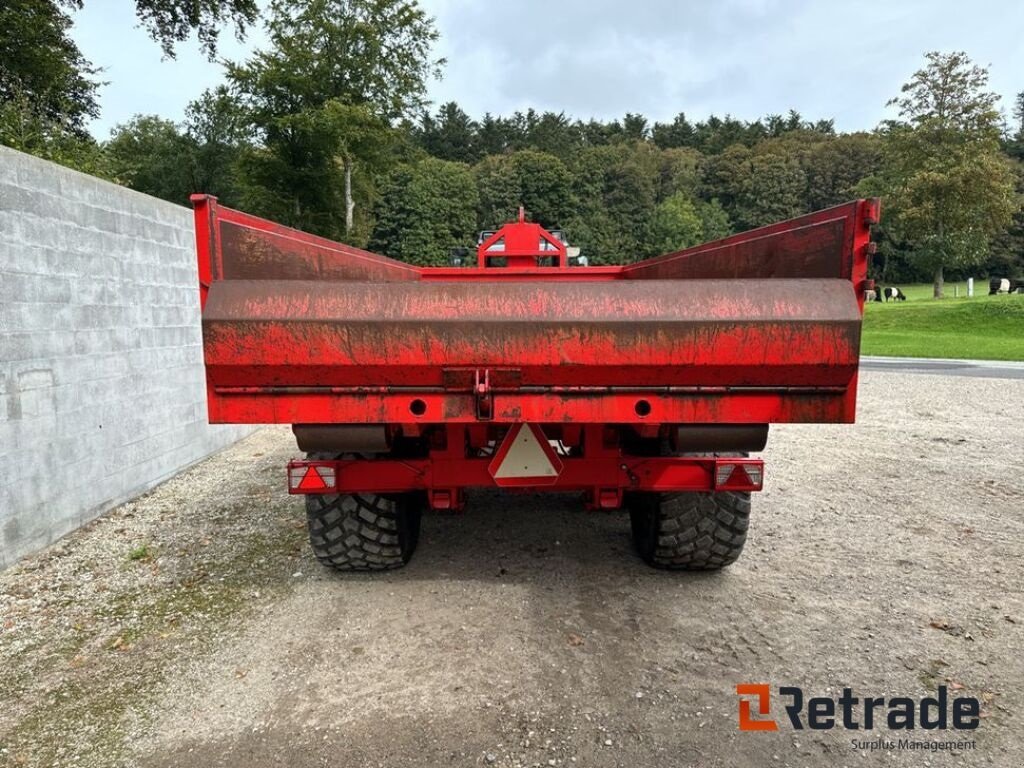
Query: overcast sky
{"points": [[603, 58]]}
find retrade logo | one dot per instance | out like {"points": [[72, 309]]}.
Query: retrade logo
{"points": [[762, 695], [899, 713]]}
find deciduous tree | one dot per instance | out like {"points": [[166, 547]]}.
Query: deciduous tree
{"points": [[536, 180], [675, 224], [836, 166], [47, 87], [171, 161], [217, 129], [948, 188], [615, 189], [152, 155], [172, 21], [425, 209], [321, 98]]}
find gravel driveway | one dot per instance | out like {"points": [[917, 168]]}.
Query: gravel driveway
{"points": [[192, 626]]}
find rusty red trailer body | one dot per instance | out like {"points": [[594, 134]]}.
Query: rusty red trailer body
{"points": [[439, 364]]}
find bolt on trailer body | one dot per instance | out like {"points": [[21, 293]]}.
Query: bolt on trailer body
{"points": [[642, 386]]}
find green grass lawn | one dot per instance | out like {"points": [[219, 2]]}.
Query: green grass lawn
{"points": [[980, 328]]}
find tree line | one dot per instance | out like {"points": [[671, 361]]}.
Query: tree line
{"points": [[327, 129]]}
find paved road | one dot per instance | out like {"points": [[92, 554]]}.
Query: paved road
{"points": [[988, 369]]}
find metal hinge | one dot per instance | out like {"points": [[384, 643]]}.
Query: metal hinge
{"points": [[484, 395]]}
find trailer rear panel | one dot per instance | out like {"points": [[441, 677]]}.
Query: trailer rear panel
{"points": [[760, 327]]}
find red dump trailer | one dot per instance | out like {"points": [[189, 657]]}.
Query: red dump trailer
{"points": [[642, 387]]}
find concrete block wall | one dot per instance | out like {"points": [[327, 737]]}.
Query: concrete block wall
{"points": [[102, 393]]}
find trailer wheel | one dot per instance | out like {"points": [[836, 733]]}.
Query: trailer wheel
{"points": [[364, 531], [689, 531]]}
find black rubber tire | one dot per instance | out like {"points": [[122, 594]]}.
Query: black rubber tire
{"points": [[363, 532], [689, 531]]}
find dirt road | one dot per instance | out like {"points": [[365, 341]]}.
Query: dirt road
{"points": [[192, 627]]}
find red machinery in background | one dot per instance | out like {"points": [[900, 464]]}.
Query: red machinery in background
{"points": [[523, 244], [641, 386]]}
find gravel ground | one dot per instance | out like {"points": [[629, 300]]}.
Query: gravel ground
{"points": [[192, 626]]}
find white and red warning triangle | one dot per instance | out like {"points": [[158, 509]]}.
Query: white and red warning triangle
{"points": [[312, 480], [525, 457]]}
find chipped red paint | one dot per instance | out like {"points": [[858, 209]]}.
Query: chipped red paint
{"points": [[710, 333], [760, 327]]}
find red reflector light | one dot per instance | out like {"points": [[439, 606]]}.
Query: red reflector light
{"points": [[303, 478], [312, 481], [731, 476], [755, 472], [723, 472]]}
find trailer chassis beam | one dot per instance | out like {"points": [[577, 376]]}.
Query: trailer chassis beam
{"points": [[603, 479]]}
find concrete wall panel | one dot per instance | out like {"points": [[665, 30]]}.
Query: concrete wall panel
{"points": [[101, 381]]}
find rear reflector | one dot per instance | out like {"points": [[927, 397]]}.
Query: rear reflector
{"points": [[525, 457], [730, 476], [307, 478], [723, 472], [754, 472]]}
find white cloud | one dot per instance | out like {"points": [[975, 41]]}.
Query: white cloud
{"points": [[603, 58]]}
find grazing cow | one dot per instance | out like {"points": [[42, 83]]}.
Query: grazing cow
{"points": [[1005, 285], [871, 295], [891, 293]]}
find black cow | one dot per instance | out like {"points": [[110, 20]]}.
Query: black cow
{"points": [[890, 293], [1005, 285]]}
